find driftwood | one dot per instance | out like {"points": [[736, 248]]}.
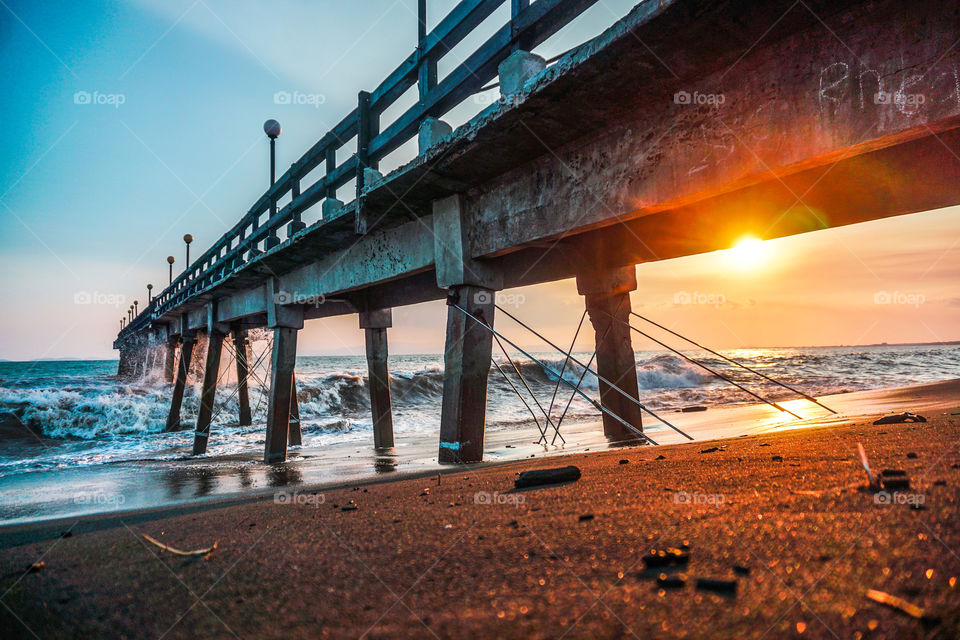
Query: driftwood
{"points": [[177, 552], [540, 477], [908, 608], [898, 418]]}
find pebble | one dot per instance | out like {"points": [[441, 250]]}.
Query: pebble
{"points": [[719, 586], [671, 582]]}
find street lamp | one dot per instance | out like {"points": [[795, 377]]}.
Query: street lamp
{"points": [[170, 261], [188, 239], [136, 308], [272, 129], [149, 294], [130, 314]]}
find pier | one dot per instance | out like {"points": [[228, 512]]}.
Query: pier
{"points": [[683, 127]]}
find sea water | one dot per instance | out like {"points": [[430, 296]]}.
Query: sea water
{"points": [[77, 439]]}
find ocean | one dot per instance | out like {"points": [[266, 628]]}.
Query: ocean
{"points": [[74, 432]]}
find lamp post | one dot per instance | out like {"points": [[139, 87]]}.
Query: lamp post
{"points": [[136, 308], [272, 129], [149, 294], [187, 239], [170, 261], [130, 314]]}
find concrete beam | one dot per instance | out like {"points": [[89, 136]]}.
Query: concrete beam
{"points": [[453, 251]]}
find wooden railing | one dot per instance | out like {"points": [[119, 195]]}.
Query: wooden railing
{"points": [[529, 25]]}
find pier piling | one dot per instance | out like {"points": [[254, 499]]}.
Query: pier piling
{"points": [[186, 351], [375, 325], [211, 374], [607, 297], [241, 345], [466, 365]]}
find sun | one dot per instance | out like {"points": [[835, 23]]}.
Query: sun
{"points": [[749, 253]]}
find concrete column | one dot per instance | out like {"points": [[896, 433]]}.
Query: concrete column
{"points": [[294, 432], [285, 321], [211, 373], [607, 295], [281, 387], [186, 350], [242, 346], [375, 325], [466, 365], [169, 358]]}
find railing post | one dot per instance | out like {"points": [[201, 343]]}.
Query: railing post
{"points": [[427, 72], [296, 224], [367, 128]]}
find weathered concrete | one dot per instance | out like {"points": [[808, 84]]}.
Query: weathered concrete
{"points": [[281, 388], [211, 376], [375, 325], [241, 345], [518, 69], [607, 297], [431, 132], [466, 365], [169, 348], [183, 370]]}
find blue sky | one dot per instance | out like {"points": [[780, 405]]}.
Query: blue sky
{"points": [[94, 196]]}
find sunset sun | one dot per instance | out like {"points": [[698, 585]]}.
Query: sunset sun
{"points": [[748, 253]]}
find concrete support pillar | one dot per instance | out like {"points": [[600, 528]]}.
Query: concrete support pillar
{"points": [[294, 433], [169, 359], [607, 295], [466, 365], [241, 345], [281, 387], [286, 322], [186, 351], [211, 373], [375, 325]]}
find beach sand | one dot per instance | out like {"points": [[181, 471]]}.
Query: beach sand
{"points": [[465, 555]]}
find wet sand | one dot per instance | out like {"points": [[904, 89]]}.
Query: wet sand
{"points": [[471, 557]]}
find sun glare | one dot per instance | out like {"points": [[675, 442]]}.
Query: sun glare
{"points": [[748, 253]]}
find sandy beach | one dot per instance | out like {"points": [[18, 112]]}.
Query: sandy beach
{"points": [[784, 513]]}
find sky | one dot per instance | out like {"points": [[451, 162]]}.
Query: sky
{"points": [[129, 124]]}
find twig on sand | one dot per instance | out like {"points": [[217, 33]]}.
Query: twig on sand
{"points": [[196, 552], [908, 608], [866, 465]]}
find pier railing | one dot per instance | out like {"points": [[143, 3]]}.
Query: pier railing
{"points": [[258, 230]]}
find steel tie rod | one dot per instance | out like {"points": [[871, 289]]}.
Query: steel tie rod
{"points": [[732, 361], [596, 373], [700, 364], [569, 384]]}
